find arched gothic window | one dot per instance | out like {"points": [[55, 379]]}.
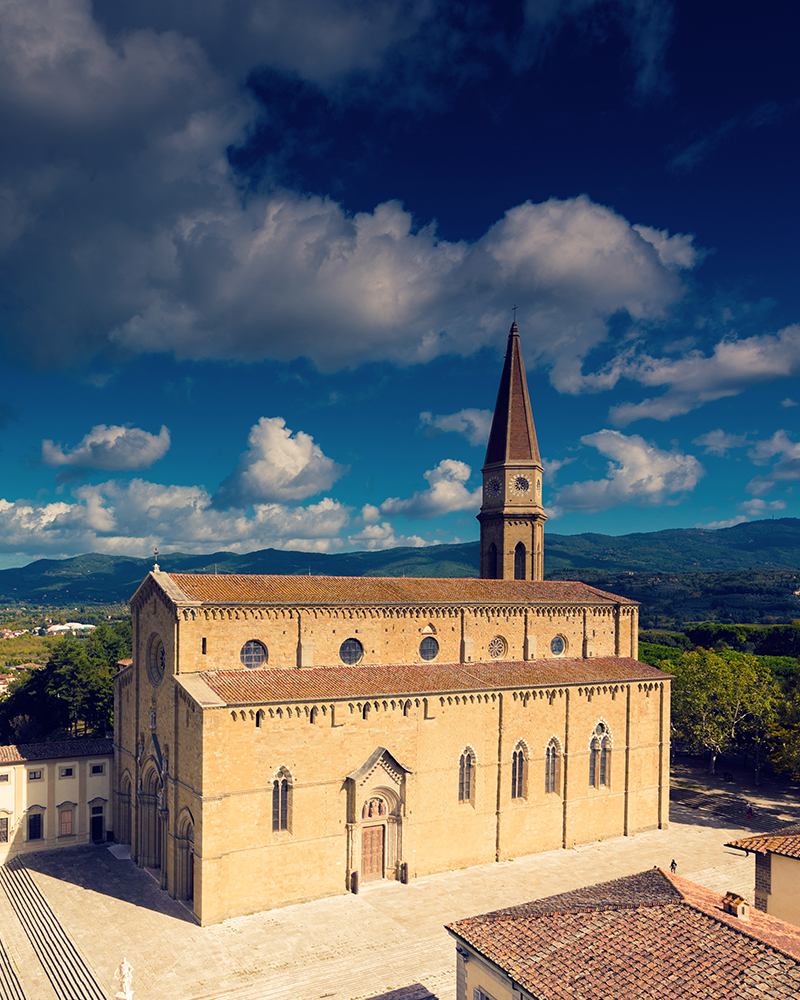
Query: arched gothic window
{"points": [[518, 773], [600, 757], [466, 766], [550, 767], [281, 802], [491, 558], [519, 562]]}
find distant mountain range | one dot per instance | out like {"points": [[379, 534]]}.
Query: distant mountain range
{"points": [[102, 579]]}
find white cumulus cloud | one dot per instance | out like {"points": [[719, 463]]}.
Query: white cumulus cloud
{"points": [[278, 465], [110, 448], [447, 492], [757, 507], [638, 473], [785, 470], [131, 518], [473, 424], [718, 442], [696, 378]]}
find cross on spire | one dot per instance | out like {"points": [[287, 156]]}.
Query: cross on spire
{"points": [[514, 308]]}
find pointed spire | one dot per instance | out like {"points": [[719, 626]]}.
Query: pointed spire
{"points": [[513, 436]]}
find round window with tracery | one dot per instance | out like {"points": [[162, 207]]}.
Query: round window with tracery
{"points": [[253, 654], [498, 647], [351, 651], [429, 648], [558, 645], [156, 661]]}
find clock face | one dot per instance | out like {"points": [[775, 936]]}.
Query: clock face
{"points": [[519, 484], [493, 487]]}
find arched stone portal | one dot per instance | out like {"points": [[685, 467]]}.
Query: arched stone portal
{"points": [[184, 888], [376, 807], [150, 836]]}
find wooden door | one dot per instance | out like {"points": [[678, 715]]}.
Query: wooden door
{"points": [[372, 852]]}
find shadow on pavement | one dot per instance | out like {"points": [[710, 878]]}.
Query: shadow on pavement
{"points": [[414, 992], [94, 867]]}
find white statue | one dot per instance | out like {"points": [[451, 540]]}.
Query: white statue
{"points": [[124, 976], [152, 717]]}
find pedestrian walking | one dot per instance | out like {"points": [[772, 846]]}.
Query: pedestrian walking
{"points": [[673, 866], [749, 811]]}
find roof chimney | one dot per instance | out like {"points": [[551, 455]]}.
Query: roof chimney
{"points": [[735, 905]]}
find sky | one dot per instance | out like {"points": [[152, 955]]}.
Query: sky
{"points": [[259, 259]]}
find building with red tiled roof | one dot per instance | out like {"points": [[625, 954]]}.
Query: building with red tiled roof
{"points": [[54, 794], [777, 872], [651, 936], [286, 737]]}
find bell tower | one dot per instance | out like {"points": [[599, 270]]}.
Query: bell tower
{"points": [[512, 517]]}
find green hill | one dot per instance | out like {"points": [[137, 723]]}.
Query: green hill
{"points": [[745, 573]]}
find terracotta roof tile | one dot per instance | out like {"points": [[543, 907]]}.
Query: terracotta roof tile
{"points": [[649, 935], [14, 754], [260, 686], [785, 842], [387, 590]]}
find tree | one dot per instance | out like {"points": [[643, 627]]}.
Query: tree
{"points": [[714, 696]]}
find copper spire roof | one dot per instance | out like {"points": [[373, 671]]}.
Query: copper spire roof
{"points": [[513, 436]]}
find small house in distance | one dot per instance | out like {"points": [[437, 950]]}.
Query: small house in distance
{"points": [[777, 878], [650, 936]]}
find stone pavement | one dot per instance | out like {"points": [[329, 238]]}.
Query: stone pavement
{"points": [[345, 947]]}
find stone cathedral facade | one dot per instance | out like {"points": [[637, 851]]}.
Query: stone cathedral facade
{"points": [[281, 738]]}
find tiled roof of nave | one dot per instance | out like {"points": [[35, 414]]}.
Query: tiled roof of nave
{"points": [[263, 686], [387, 590]]}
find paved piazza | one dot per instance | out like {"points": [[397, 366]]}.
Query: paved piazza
{"points": [[346, 947]]}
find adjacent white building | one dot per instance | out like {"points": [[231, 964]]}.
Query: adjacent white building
{"points": [[54, 795]]}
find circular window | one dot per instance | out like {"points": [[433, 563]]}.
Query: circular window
{"points": [[156, 661], [253, 653], [429, 648], [497, 647], [558, 645], [351, 651]]}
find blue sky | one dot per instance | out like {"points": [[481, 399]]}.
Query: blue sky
{"points": [[259, 259]]}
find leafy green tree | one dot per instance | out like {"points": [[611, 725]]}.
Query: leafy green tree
{"points": [[784, 737], [714, 696]]}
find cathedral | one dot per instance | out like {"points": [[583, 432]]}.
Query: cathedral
{"points": [[282, 738]]}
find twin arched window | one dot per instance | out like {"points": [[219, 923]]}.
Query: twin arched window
{"points": [[551, 767], [600, 757]]}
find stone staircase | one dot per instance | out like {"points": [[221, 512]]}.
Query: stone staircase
{"points": [[68, 973]]}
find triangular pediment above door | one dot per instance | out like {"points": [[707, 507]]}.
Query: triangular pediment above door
{"points": [[379, 760]]}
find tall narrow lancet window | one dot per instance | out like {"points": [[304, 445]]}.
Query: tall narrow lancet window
{"points": [[517, 773], [519, 562], [492, 562], [465, 776], [281, 794], [550, 766]]}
